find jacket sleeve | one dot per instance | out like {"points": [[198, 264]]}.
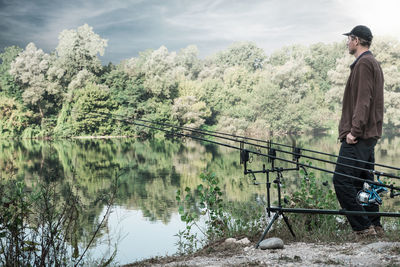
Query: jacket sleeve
{"points": [[363, 79]]}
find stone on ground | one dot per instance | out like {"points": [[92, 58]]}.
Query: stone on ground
{"points": [[243, 241], [230, 240], [271, 243]]}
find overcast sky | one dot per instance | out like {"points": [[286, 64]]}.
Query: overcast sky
{"points": [[132, 26]]}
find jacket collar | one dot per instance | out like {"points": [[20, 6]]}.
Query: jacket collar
{"points": [[355, 61]]}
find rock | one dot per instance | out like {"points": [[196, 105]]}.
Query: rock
{"points": [[243, 241], [271, 243], [230, 240]]}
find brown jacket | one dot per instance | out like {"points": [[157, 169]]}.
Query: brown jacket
{"points": [[362, 110]]}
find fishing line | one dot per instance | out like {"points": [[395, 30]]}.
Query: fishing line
{"points": [[244, 159], [218, 135], [221, 135], [174, 133]]}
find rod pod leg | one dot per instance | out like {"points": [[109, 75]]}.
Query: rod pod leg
{"points": [[288, 225], [267, 229], [276, 216]]}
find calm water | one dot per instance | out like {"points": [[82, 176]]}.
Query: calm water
{"points": [[144, 218]]}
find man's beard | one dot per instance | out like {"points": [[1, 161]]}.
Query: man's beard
{"points": [[352, 51]]}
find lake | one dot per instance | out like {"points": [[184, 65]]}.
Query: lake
{"points": [[144, 219]]}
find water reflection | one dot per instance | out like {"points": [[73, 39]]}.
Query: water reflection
{"points": [[149, 174], [138, 238]]}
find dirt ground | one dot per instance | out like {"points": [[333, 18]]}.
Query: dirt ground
{"points": [[363, 253]]}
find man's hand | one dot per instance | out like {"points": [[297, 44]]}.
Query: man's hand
{"points": [[350, 139]]}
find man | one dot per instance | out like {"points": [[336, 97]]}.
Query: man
{"points": [[359, 129]]}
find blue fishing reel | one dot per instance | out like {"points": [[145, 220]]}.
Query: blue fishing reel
{"points": [[370, 194]]}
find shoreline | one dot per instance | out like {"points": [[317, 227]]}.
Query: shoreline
{"points": [[372, 252]]}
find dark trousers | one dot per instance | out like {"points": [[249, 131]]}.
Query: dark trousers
{"points": [[347, 188]]}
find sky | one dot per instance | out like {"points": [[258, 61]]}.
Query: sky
{"points": [[132, 26]]}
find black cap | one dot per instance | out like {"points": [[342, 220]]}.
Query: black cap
{"points": [[361, 31]]}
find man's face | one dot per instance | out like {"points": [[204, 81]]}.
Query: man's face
{"points": [[352, 42]]}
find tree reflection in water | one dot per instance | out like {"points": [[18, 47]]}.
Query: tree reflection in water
{"points": [[149, 173]]}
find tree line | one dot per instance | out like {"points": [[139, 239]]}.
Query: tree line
{"points": [[239, 90]]}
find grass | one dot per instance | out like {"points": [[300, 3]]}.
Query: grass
{"points": [[317, 228]]}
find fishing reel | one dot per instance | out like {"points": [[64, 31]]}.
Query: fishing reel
{"points": [[370, 194]]}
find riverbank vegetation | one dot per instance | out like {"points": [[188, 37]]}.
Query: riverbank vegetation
{"points": [[43, 223], [240, 90], [224, 219], [82, 173]]}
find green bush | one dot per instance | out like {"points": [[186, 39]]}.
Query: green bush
{"points": [[221, 219], [39, 222], [314, 194], [14, 119]]}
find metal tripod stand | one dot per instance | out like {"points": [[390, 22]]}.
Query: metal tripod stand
{"points": [[278, 210]]}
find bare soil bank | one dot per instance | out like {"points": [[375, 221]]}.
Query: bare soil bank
{"points": [[364, 253]]}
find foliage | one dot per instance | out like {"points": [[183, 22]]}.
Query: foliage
{"points": [[13, 118], [221, 219], [209, 206], [91, 111], [244, 54], [189, 112], [77, 50], [7, 81], [314, 194], [30, 69], [188, 59], [159, 70], [37, 225], [239, 90], [392, 106]]}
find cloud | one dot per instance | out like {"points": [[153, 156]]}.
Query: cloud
{"points": [[381, 16], [132, 26], [270, 24]]}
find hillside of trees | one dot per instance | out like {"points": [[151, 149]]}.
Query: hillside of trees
{"points": [[239, 90]]}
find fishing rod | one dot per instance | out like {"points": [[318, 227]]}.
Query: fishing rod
{"points": [[296, 151], [269, 155], [216, 133], [337, 156], [369, 194]]}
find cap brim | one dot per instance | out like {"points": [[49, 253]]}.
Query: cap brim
{"points": [[347, 34]]}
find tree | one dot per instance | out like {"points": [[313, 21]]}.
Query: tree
{"points": [[7, 81], [91, 111], [322, 58], [190, 112], [392, 111], [293, 78], [30, 68], [77, 50], [81, 79], [13, 118], [128, 91], [160, 72], [286, 53], [387, 52], [188, 59], [244, 54], [338, 77]]}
